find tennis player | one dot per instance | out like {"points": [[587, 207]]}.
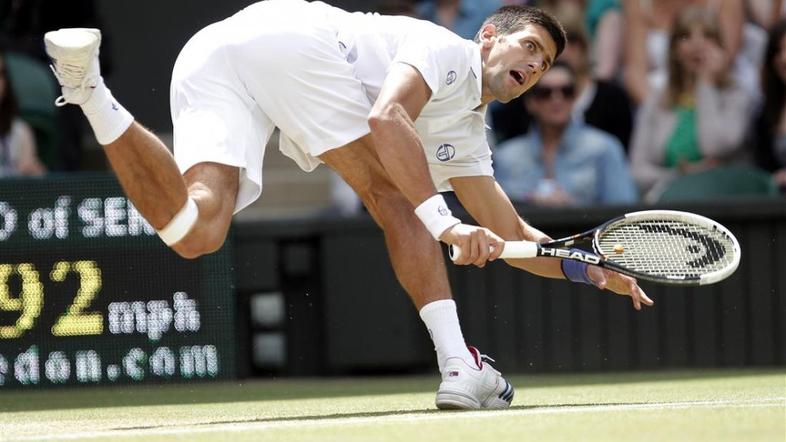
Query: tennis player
{"points": [[395, 105]]}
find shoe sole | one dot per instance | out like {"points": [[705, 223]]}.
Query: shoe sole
{"points": [[72, 43], [456, 401]]}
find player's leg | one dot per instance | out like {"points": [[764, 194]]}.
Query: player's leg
{"points": [[419, 265], [192, 224], [152, 181], [425, 278]]}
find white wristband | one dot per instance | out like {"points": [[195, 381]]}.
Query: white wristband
{"points": [[434, 213], [181, 223]]}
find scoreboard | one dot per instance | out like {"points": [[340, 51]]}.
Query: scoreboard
{"points": [[90, 295]]}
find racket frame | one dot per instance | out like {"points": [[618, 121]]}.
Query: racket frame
{"points": [[562, 248]]}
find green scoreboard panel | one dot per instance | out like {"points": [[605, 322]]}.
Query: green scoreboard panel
{"points": [[90, 295]]}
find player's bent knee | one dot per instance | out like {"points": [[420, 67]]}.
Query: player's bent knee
{"points": [[181, 224], [198, 243], [191, 234]]}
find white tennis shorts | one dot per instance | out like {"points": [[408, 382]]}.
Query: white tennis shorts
{"points": [[268, 66]]}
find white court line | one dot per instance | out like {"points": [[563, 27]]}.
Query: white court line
{"points": [[318, 421]]}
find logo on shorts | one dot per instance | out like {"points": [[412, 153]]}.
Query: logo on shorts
{"points": [[446, 152], [451, 77], [443, 211]]}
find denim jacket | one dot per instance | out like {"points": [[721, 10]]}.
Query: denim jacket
{"points": [[590, 166]]}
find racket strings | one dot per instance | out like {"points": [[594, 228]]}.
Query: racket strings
{"points": [[667, 248]]}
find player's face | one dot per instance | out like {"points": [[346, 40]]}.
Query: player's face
{"points": [[513, 63]]}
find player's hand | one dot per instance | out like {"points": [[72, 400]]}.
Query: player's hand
{"points": [[478, 244], [619, 284]]}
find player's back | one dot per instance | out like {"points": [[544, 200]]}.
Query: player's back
{"points": [[274, 29]]}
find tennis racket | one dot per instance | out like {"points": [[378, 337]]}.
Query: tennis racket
{"points": [[663, 246]]}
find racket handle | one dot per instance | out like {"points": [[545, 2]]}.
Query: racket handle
{"points": [[513, 249]]}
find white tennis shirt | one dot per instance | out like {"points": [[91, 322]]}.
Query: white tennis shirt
{"points": [[452, 123]]}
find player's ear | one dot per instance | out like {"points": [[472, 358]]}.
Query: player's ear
{"points": [[487, 34]]}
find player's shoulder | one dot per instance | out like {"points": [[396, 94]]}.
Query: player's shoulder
{"points": [[427, 32]]}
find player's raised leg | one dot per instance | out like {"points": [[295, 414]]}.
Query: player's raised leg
{"points": [[143, 164], [467, 382]]}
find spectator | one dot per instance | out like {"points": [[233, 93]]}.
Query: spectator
{"points": [[765, 13], [562, 161], [22, 24], [699, 120], [770, 127], [601, 104], [464, 17], [604, 25], [648, 26], [17, 144]]}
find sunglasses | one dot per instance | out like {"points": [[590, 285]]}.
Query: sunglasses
{"points": [[542, 93]]}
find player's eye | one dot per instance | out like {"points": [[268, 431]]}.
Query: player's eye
{"points": [[529, 45]]}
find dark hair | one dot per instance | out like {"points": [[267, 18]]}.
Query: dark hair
{"points": [[771, 83], [510, 19], [8, 105]]}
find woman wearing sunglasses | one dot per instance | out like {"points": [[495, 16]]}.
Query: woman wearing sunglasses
{"points": [[562, 161], [699, 119]]}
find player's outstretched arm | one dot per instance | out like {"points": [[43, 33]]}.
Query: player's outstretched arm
{"points": [[485, 200], [400, 150]]}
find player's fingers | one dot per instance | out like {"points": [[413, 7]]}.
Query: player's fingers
{"points": [[644, 298], [496, 245], [482, 245], [471, 252], [636, 295]]}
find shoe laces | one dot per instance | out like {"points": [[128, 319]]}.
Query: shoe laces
{"points": [[70, 72], [486, 358]]}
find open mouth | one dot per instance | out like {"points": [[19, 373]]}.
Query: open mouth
{"points": [[518, 76]]}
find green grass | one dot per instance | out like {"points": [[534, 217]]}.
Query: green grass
{"points": [[663, 406]]}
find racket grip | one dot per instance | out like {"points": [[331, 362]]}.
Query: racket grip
{"points": [[513, 249]]}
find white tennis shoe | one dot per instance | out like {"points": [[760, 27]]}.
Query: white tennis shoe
{"points": [[467, 387], [74, 55]]}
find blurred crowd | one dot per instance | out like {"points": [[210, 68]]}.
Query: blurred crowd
{"points": [[652, 100], [36, 137]]}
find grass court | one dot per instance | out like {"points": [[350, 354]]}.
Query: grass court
{"points": [[716, 405]]}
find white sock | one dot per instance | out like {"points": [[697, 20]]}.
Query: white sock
{"points": [[442, 322], [106, 116]]}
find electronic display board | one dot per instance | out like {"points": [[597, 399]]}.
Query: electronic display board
{"points": [[90, 295]]}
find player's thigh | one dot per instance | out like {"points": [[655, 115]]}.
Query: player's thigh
{"points": [[359, 166], [214, 119]]}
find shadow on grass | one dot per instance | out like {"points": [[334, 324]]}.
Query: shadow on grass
{"points": [[372, 414], [65, 398]]}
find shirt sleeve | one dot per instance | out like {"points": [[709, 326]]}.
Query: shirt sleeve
{"points": [[443, 63]]}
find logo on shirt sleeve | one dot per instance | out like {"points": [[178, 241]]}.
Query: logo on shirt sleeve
{"points": [[451, 78], [446, 152]]}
